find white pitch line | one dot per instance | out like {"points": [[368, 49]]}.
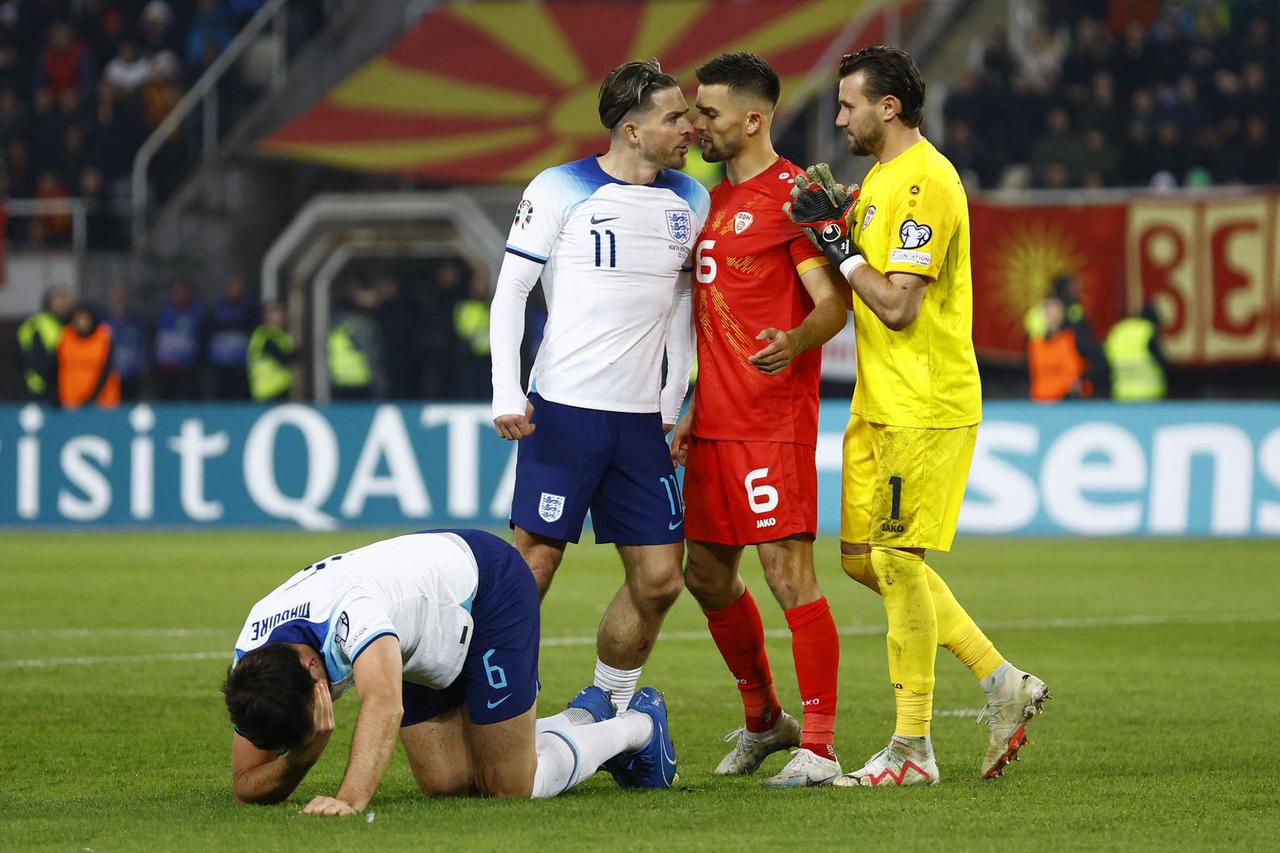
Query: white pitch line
{"points": [[847, 631], [107, 633]]}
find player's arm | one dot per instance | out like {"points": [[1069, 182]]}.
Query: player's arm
{"points": [[820, 325], [264, 776], [379, 672], [821, 207], [679, 352], [511, 410], [894, 298]]}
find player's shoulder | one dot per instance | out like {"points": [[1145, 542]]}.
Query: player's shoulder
{"points": [[694, 194], [569, 182], [929, 169]]}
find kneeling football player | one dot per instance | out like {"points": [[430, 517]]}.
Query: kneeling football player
{"points": [[438, 632]]}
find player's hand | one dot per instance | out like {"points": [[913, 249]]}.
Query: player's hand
{"points": [[680, 440], [516, 427], [821, 208], [328, 806], [322, 722], [667, 428], [777, 353]]}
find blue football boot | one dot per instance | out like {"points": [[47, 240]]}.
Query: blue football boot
{"points": [[654, 764], [595, 702]]}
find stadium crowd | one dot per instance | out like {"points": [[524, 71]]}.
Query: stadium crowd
{"points": [[237, 349], [1123, 93], [84, 82]]}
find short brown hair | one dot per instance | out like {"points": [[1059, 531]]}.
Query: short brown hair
{"points": [[889, 71], [631, 86]]}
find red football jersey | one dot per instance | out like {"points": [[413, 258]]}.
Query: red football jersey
{"points": [[747, 269]]}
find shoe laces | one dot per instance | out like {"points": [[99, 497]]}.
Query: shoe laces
{"points": [[986, 714], [735, 734]]}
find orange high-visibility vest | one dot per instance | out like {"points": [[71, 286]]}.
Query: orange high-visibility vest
{"points": [[1055, 366], [80, 365]]}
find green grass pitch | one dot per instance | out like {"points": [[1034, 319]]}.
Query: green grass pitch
{"points": [[1163, 658]]}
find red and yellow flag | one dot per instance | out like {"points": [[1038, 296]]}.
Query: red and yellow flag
{"points": [[495, 92]]}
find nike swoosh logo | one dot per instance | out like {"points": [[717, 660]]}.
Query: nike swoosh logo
{"points": [[597, 220], [493, 704], [673, 525], [666, 756]]}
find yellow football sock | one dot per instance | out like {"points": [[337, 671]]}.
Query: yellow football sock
{"points": [[858, 567], [913, 636], [959, 633]]}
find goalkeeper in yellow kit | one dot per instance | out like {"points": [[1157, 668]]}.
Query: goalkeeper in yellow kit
{"points": [[902, 242]]}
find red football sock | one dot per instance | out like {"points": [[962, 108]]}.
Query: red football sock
{"points": [[739, 636], [816, 648]]}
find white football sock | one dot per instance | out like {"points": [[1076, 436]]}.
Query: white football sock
{"points": [[995, 683], [568, 756], [619, 683], [922, 745], [566, 718]]}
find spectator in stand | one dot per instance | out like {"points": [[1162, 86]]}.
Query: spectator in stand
{"points": [[399, 321], [115, 133], [53, 227], [178, 345], [211, 24], [13, 117], [355, 347], [128, 343], [1040, 56], [234, 317], [85, 374], [159, 96], [156, 28], [38, 338], [1057, 146], [1257, 161], [1101, 159], [18, 172], [977, 164], [47, 131], [65, 63], [270, 357], [1101, 112], [129, 70], [1169, 155]]}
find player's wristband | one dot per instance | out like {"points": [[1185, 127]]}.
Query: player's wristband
{"points": [[850, 264]]}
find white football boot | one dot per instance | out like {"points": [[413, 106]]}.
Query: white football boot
{"points": [[1007, 719], [896, 764], [806, 769], [752, 749]]}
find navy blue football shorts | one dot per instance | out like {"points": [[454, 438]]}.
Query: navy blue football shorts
{"points": [[499, 679], [617, 465]]}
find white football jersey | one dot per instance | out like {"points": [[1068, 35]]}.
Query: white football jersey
{"points": [[417, 588], [612, 253]]}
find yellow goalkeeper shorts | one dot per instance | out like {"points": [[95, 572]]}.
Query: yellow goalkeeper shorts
{"points": [[902, 486]]}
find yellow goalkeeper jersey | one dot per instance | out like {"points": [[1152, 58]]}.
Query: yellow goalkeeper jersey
{"points": [[912, 216]]}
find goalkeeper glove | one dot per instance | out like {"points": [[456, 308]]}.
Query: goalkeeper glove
{"points": [[821, 207]]}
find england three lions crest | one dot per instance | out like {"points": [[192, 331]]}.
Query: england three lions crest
{"points": [[678, 225], [550, 507]]}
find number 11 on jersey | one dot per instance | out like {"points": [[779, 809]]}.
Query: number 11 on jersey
{"points": [[613, 247]]}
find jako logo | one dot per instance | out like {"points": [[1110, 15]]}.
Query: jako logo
{"points": [[765, 522], [809, 703], [892, 528]]}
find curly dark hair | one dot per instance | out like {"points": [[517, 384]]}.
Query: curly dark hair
{"points": [[268, 695]]}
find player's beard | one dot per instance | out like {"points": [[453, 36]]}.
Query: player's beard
{"points": [[868, 142], [726, 149], [666, 158]]}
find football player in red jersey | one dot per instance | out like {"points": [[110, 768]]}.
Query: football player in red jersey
{"points": [[765, 301]]}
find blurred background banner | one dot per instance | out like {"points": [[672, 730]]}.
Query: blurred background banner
{"points": [[1209, 265], [1075, 469]]}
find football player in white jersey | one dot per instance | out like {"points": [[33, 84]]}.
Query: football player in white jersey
{"points": [[438, 633], [610, 237]]}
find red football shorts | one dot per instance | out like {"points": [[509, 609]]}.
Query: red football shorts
{"points": [[746, 492]]}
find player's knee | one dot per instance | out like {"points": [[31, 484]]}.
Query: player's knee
{"points": [[505, 784], [659, 592], [443, 783]]}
